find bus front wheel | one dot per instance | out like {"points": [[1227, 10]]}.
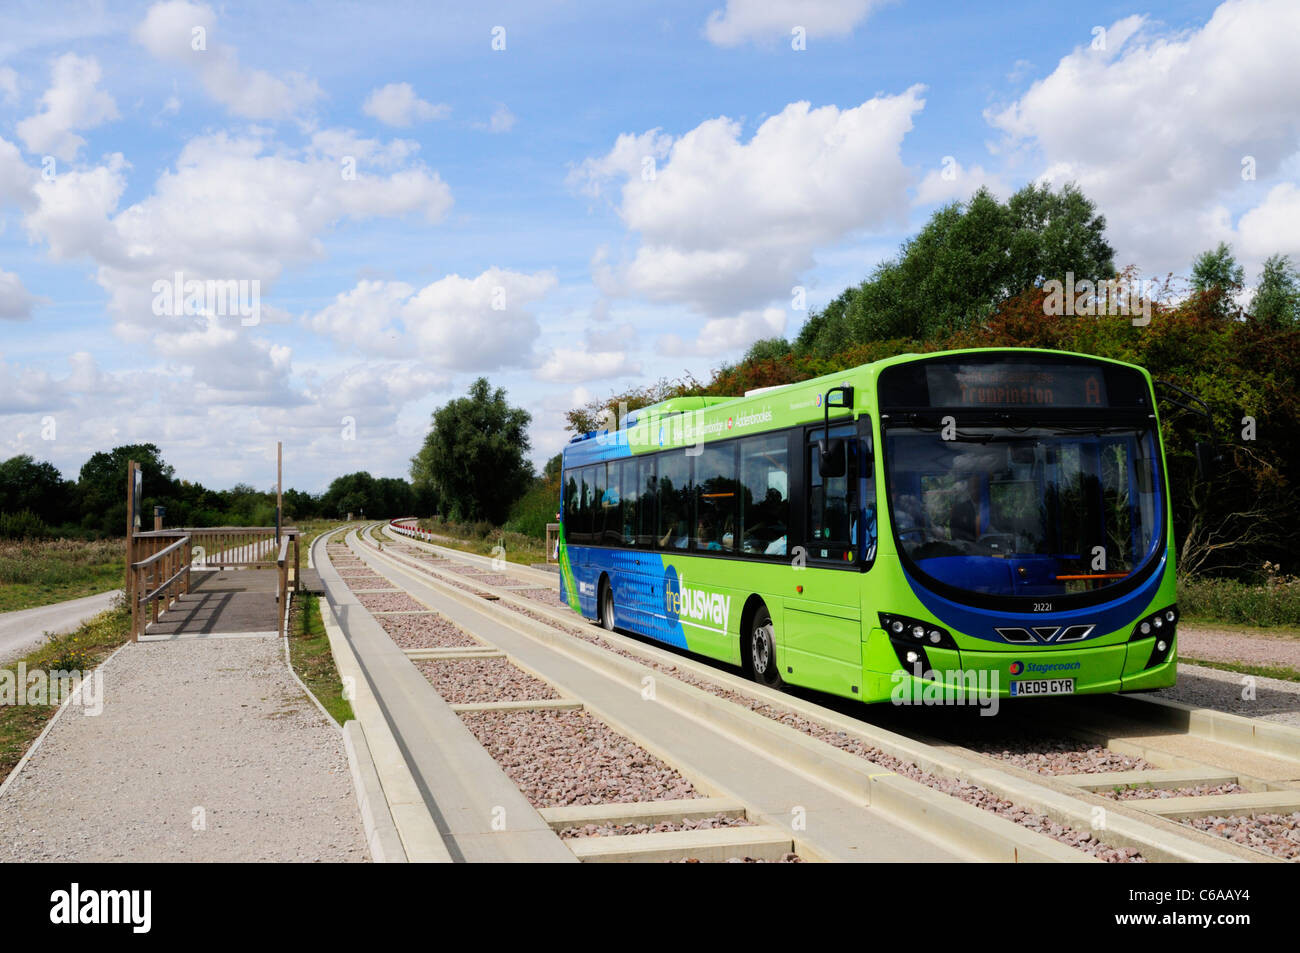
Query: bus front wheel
{"points": [[762, 649]]}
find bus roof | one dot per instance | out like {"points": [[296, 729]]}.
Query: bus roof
{"points": [[686, 421]]}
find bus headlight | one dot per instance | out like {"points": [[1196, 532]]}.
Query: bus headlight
{"points": [[906, 631], [1161, 624]]}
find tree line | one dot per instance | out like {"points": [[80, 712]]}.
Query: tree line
{"points": [[36, 501]]}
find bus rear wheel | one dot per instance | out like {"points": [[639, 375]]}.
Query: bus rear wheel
{"points": [[762, 649], [607, 606]]}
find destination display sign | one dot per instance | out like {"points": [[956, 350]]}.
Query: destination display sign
{"points": [[1005, 384], [1015, 385]]}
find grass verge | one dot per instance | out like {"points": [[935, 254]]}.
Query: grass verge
{"points": [[1282, 672], [41, 572], [82, 650], [309, 652], [483, 540]]}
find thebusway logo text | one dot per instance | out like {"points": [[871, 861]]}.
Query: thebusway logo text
{"points": [[699, 605], [73, 906], [962, 686]]}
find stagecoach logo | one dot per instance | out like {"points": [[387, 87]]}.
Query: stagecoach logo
{"points": [[1045, 633], [696, 605], [1017, 668]]}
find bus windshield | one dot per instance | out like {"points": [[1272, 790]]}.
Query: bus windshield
{"points": [[1037, 510]]}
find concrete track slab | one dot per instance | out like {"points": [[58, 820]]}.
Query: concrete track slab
{"points": [[780, 797]]}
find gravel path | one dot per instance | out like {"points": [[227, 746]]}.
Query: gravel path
{"points": [[685, 824], [473, 680], [390, 602], [1278, 834], [1275, 699], [568, 757], [215, 725], [426, 631], [1225, 645]]}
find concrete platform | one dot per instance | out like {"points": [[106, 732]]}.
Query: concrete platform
{"points": [[219, 603]]}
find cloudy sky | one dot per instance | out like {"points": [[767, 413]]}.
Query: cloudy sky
{"points": [[566, 197]]}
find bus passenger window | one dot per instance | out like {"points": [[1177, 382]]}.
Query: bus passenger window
{"points": [[674, 531], [765, 497], [716, 504]]}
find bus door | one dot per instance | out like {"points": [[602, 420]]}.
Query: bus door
{"points": [[822, 630]]}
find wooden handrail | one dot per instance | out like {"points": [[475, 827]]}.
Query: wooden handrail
{"points": [[161, 553]]}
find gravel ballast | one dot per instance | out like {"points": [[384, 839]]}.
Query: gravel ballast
{"points": [[1154, 794], [476, 680], [1059, 755], [426, 631], [1277, 834], [568, 757], [660, 827], [390, 602], [212, 734]]}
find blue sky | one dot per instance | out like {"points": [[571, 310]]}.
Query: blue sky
{"points": [[502, 220]]}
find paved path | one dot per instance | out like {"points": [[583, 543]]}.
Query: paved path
{"points": [[23, 630], [205, 750]]}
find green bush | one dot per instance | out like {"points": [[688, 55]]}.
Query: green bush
{"points": [[1275, 600], [22, 525]]}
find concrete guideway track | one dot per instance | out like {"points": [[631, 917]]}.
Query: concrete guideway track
{"points": [[1128, 823], [834, 805]]}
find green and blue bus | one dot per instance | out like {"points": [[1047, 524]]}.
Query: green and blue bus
{"points": [[994, 511]]}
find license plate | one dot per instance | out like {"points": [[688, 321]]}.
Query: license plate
{"points": [[1043, 686]]}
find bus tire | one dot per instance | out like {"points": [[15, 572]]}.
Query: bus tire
{"points": [[761, 649], [605, 605]]}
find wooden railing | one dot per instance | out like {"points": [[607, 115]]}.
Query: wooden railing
{"points": [[158, 579], [282, 584], [159, 564]]}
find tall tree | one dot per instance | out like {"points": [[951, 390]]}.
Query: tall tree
{"points": [[37, 487], [1217, 275], [476, 455], [1277, 299]]}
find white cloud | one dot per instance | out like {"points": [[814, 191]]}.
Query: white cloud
{"points": [[8, 86], [181, 32], [1155, 128], [73, 101], [957, 183], [503, 120], [17, 178], [727, 335], [1273, 226], [467, 324], [570, 365], [16, 302], [726, 223], [766, 20], [196, 223], [397, 105]]}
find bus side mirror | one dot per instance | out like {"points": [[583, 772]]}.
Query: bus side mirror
{"points": [[1207, 460], [832, 461]]}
